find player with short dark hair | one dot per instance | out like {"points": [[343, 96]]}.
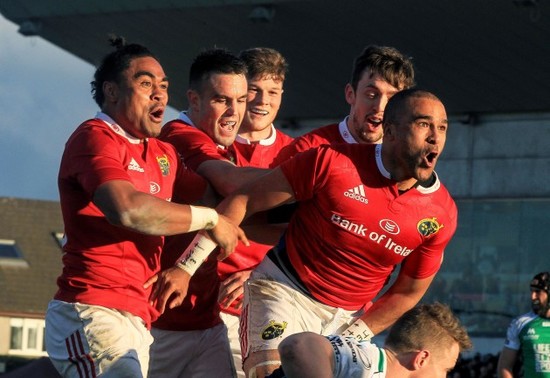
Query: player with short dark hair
{"points": [[362, 210], [378, 74], [116, 181]]}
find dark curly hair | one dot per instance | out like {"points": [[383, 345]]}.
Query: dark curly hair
{"points": [[115, 63]]}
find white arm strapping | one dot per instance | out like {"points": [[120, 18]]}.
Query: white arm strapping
{"points": [[202, 218], [358, 329], [194, 255]]}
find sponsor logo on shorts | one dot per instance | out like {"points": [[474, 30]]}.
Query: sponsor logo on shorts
{"points": [[134, 166], [154, 188], [273, 330], [357, 193], [428, 226]]}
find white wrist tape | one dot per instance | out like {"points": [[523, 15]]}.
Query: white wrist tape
{"points": [[203, 218], [195, 254], [358, 329]]}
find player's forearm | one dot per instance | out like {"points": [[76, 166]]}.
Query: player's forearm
{"points": [[226, 178], [152, 216], [386, 310], [504, 373], [403, 295]]}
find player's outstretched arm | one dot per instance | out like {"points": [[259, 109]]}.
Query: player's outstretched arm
{"points": [[403, 295]]}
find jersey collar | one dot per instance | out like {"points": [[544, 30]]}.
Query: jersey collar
{"points": [[264, 142], [117, 128], [345, 133]]}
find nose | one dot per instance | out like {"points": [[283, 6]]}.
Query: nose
{"points": [[436, 136], [263, 97], [231, 108], [380, 103], [158, 93]]}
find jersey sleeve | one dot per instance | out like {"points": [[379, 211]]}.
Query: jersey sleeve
{"points": [[513, 333], [512, 336], [94, 159], [307, 172], [298, 145], [189, 186], [193, 145], [428, 257]]}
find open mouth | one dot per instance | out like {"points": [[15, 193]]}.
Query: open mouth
{"points": [[431, 158], [157, 114], [259, 112], [228, 126], [375, 121]]}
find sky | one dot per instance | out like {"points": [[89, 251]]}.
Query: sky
{"points": [[44, 95]]}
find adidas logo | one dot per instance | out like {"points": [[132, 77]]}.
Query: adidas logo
{"points": [[134, 166], [357, 193]]}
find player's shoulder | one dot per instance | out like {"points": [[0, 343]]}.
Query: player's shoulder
{"points": [[321, 135], [91, 129], [177, 125], [524, 319], [283, 137]]}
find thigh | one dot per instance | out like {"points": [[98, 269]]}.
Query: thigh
{"points": [[272, 311], [85, 339]]}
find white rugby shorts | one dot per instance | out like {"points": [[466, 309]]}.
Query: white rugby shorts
{"points": [[86, 341], [275, 308]]}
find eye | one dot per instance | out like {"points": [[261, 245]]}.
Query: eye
{"points": [[146, 83], [371, 95]]}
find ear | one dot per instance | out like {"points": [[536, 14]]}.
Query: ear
{"points": [[110, 91], [389, 130], [421, 359], [194, 100], [350, 94]]}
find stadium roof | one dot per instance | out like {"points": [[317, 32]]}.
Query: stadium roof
{"points": [[479, 56]]}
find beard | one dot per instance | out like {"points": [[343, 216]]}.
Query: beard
{"points": [[539, 308]]}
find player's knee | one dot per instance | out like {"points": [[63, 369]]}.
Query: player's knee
{"points": [[294, 346]]}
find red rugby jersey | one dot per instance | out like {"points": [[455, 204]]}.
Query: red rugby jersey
{"points": [[334, 133], [352, 227], [194, 145], [104, 264]]}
